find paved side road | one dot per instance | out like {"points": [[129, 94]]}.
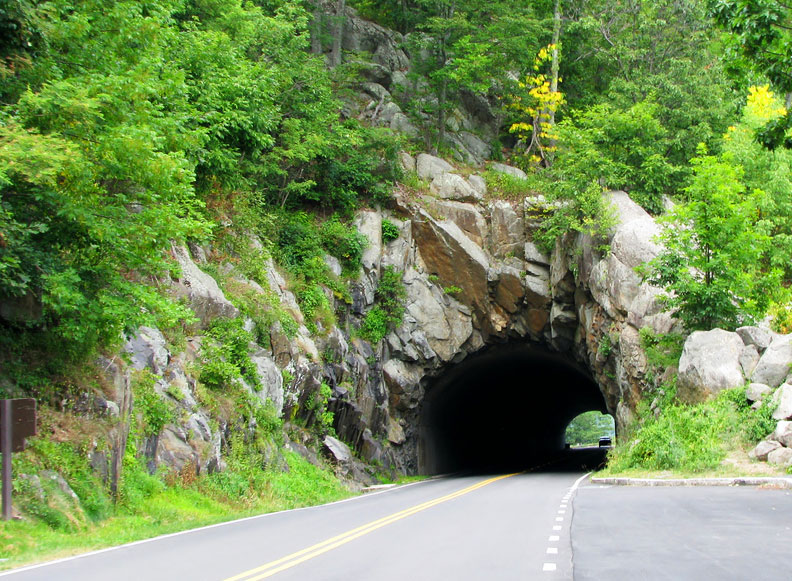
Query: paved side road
{"points": [[623, 533]]}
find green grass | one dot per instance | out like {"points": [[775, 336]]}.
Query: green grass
{"points": [[176, 507], [687, 439]]}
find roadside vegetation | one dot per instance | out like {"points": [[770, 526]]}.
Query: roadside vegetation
{"points": [[128, 127], [149, 504], [688, 439]]}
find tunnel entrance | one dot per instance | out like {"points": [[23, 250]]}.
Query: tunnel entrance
{"points": [[502, 410]]}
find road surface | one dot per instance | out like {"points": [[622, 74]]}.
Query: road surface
{"points": [[542, 524]]}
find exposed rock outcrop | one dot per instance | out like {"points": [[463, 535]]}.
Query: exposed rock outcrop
{"points": [[473, 278]]}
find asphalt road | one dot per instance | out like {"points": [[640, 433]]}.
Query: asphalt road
{"points": [[669, 533], [532, 525], [465, 527]]}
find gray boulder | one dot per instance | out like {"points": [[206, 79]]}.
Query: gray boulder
{"points": [[270, 377], [508, 230], [773, 367], [508, 170], [337, 451], [478, 183], [437, 324], [756, 391], [710, 362], [780, 457], [201, 290], [783, 433], [451, 186], [406, 161], [749, 359], [403, 382], [480, 149], [783, 399], [756, 336], [763, 448], [429, 167], [369, 223], [466, 216], [147, 350]]}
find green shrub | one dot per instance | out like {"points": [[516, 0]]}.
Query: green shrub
{"points": [[691, 438], [506, 186], [229, 357], [344, 242], [71, 462], [154, 410], [375, 325], [683, 437], [390, 231], [389, 309]]}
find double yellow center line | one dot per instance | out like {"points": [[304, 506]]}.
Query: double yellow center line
{"points": [[294, 559]]}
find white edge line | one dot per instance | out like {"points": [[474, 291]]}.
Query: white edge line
{"points": [[578, 481], [204, 528]]}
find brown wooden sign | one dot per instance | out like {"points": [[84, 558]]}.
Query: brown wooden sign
{"points": [[23, 422], [17, 422]]}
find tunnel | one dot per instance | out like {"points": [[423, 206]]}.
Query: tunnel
{"points": [[505, 409]]}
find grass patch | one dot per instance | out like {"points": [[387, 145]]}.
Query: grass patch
{"points": [[152, 508], [508, 187], [689, 439]]}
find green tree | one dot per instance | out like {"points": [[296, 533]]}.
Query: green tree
{"points": [[711, 265], [656, 51], [770, 171], [761, 31]]}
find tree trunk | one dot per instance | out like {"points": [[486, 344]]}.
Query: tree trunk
{"points": [[338, 33], [547, 153], [315, 29], [554, 62]]}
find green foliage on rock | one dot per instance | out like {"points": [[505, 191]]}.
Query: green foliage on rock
{"points": [[389, 307], [390, 231], [119, 125]]}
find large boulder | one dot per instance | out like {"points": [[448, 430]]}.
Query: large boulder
{"points": [[783, 433], [756, 336], [514, 172], [437, 325], [466, 216], [403, 382], [201, 290], [773, 367], [508, 230], [783, 400], [429, 167], [763, 448], [756, 391], [780, 457], [147, 349], [455, 259], [451, 186], [710, 362], [270, 387]]}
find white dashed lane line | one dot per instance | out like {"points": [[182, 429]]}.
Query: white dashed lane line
{"points": [[562, 509]]}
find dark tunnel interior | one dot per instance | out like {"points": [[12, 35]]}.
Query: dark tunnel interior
{"points": [[503, 410]]}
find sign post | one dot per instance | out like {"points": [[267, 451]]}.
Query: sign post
{"points": [[17, 422]]}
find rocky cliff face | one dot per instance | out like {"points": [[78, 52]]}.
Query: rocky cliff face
{"points": [[473, 278]]}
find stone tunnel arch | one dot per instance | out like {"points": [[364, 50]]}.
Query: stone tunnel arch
{"points": [[502, 409]]}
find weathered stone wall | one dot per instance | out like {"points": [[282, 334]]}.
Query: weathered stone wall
{"points": [[473, 277]]}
